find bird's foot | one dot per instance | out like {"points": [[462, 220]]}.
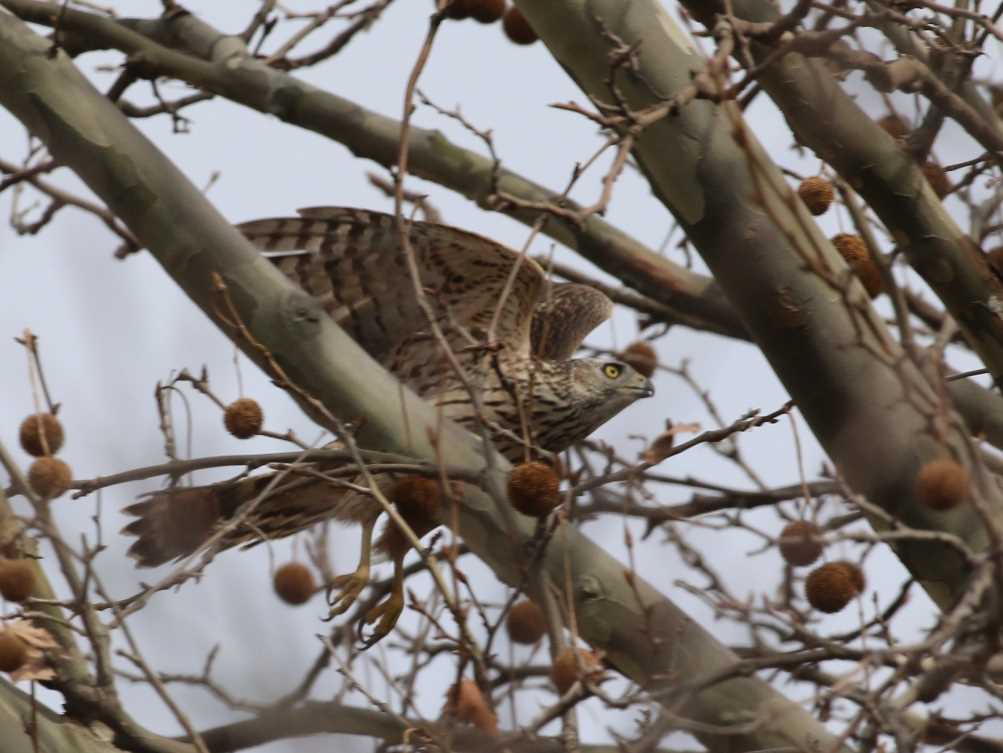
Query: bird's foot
{"points": [[348, 588], [387, 612]]}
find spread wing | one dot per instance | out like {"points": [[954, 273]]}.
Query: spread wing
{"points": [[565, 316], [353, 262]]}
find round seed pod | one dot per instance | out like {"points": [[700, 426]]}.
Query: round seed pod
{"points": [[995, 258], [13, 652], [525, 622], [564, 672], [800, 544], [937, 178], [487, 11], [17, 579], [459, 9], [894, 126], [832, 586], [49, 477], [294, 583], [417, 497], [817, 194], [942, 484], [855, 574], [466, 702], [517, 28], [853, 249], [243, 418], [534, 489], [41, 434], [641, 357]]}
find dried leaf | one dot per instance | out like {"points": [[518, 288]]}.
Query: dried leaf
{"points": [[40, 644], [661, 448]]}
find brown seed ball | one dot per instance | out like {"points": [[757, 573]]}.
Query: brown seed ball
{"points": [[525, 623], [13, 652], [817, 194], [995, 258], [641, 357], [942, 484], [487, 11], [294, 583], [534, 489], [855, 574], [517, 28], [417, 497], [853, 249], [832, 586], [894, 126], [243, 418], [17, 579], [34, 427], [466, 702], [799, 543], [937, 179], [459, 9], [564, 672], [49, 477]]}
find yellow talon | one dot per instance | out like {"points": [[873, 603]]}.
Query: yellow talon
{"points": [[350, 586], [389, 610]]}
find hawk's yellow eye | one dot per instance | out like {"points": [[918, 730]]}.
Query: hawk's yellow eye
{"points": [[612, 370]]}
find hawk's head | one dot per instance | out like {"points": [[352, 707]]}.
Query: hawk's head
{"points": [[599, 389]]}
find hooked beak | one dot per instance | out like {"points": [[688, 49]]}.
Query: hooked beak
{"points": [[648, 389]]}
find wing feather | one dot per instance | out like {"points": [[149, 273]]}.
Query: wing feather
{"points": [[563, 319], [353, 262]]}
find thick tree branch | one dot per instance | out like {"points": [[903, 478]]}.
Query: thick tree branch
{"points": [[830, 122], [869, 406]]}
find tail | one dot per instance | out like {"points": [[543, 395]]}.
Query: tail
{"points": [[173, 523]]}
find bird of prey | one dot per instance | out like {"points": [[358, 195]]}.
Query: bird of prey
{"points": [[510, 332]]}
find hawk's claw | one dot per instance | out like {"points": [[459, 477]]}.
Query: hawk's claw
{"points": [[387, 612], [349, 587]]}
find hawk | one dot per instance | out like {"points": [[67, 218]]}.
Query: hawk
{"points": [[534, 398]]}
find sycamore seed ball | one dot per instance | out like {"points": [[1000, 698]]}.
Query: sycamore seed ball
{"points": [[641, 357], [817, 194], [525, 623], [832, 586], [894, 126], [17, 579], [942, 484], [13, 652], [937, 178], [854, 573], [294, 583], [487, 11], [417, 497], [995, 258], [853, 249], [517, 28], [564, 672], [466, 702], [41, 434], [49, 477], [800, 544], [459, 9], [243, 418], [534, 489]]}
